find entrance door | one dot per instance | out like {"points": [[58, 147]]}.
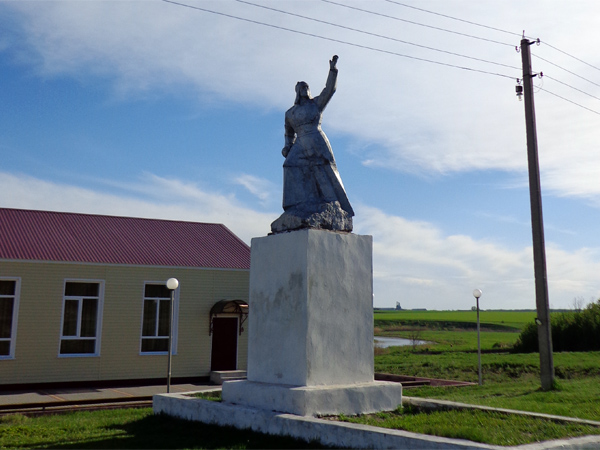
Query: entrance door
{"points": [[224, 343]]}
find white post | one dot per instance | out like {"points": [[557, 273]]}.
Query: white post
{"points": [[477, 293], [172, 284]]}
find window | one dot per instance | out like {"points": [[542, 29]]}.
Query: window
{"points": [[9, 305], [155, 319], [82, 309]]}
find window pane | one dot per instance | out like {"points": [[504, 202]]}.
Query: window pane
{"points": [[70, 320], [4, 348], [163, 317], [157, 291], [75, 346], [82, 289], [7, 287], [6, 314], [149, 322], [89, 314], [155, 345]]}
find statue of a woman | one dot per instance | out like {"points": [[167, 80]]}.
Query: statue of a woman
{"points": [[313, 192]]}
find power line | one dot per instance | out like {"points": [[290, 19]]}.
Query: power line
{"points": [[572, 87], [570, 101], [390, 52], [417, 23], [470, 69], [566, 70], [574, 57], [377, 35], [454, 18]]}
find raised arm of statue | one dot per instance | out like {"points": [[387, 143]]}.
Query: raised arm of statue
{"points": [[323, 98]]}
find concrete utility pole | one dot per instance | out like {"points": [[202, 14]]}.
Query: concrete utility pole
{"points": [[537, 225]]}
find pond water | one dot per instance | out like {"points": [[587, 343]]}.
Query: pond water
{"points": [[383, 342]]}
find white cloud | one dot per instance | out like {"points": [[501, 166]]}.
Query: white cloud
{"points": [[399, 114], [259, 187], [151, 197], [416, 264], [415, 116]]}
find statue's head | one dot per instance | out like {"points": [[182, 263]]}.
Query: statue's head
{"points": [[302, 90]]}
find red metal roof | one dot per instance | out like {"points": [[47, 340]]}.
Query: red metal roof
{"points": [[56, 236]]}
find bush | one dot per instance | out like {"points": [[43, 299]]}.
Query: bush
{"points": [[571, 332]]}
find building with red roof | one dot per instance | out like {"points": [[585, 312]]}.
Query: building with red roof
{"points": [[83, 298]]}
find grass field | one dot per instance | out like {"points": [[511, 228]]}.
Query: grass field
{"points": [[495, 428], [509, 319], [511, 380], [129, 428]]}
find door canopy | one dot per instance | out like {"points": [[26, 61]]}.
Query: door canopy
{"points": [[229, 307]]}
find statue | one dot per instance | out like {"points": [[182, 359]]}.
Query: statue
{"points": [[313, 192]]}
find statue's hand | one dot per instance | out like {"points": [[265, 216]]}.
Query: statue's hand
{"points": [[333, 62], [285, 151]]}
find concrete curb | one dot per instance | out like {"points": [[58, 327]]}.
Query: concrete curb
{"points": [[329, 432]]}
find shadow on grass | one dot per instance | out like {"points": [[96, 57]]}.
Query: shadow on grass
{"points": [[164, 432]]}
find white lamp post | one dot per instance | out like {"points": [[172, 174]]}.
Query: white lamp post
{"points": [[477, 293], [172, 284]]}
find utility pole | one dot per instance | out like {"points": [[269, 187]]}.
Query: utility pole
{"points": [[537, 225]]}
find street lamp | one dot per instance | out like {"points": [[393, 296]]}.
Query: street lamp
{"points": [[477, 293], [172, 284]]}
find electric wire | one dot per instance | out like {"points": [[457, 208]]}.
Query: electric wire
{"points": [[491, 28], [571, 56], [454, 18], [377, 35], [567, 100], [391, 52], [417, 23], [566, 70], [495, 29], [470, 69], [572, 87]]}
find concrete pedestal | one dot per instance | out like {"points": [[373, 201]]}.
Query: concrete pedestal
{"points": [[353, 399], [310, 327]]}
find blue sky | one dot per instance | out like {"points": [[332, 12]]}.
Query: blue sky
{"points": [[156, 110]]}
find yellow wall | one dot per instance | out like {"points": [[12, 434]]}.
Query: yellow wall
{"points": [[40, 310]]}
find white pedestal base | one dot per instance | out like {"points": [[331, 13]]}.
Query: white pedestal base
{"points": [[315, 400]]}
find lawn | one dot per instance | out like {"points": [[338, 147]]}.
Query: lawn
{"points": [[502, 319], [511, 380], [129, 429], [479, 426], [578, 397]]}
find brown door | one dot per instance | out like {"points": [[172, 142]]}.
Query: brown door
{"points": [[224, 343]]}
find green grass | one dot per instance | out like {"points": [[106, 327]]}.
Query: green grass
{"points": [[479, 426], [457, 340], [213, 396], [129, 429], [509, 319], [453, 355], [511, 380], [578, 398]]}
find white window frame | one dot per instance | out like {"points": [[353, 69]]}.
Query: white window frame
{"points": [[15, 315], [99, 314], [175, 319]]}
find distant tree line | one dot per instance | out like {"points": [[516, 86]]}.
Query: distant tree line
{"points": [[577, 331]]}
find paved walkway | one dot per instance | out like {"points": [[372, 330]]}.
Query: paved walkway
{"points": [[81, 394]]}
